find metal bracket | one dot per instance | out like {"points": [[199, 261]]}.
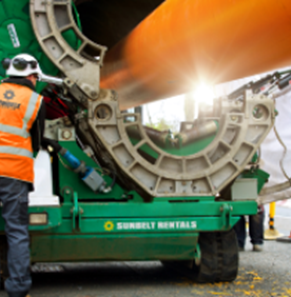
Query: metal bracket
{"points": [[197, 255], [226, 210], [76, 211]]}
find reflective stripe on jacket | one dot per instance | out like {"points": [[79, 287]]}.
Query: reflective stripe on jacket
{"points": [[19, 107]]}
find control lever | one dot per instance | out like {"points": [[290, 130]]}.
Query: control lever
{"points": [[51, 79]]}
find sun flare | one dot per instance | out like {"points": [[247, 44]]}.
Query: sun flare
{"points": [[204, 93]]}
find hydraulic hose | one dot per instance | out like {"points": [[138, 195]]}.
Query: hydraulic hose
{"points": [[275, 188]]}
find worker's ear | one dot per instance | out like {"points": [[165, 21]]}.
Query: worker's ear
{"points": [[32, 76]]}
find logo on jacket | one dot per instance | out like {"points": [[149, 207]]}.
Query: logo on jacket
{"points": [[9, 95], [10, 105]]}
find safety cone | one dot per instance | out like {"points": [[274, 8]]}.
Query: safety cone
{"points": [[272, 233]]}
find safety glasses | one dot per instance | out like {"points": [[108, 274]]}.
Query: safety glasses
{"points": [[19, 64]]}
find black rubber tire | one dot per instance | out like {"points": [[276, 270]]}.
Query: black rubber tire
{"points": [[219, 259], [4, 274], [207, 271], [230, 260]]}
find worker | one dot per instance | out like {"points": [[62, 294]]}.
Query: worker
{"points": [[256, 230], [22, 114]]}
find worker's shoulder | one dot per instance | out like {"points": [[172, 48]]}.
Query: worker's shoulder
{"points": [[18, 83]]}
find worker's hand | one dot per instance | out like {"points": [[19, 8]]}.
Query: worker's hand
{"points": [[51, 145]]}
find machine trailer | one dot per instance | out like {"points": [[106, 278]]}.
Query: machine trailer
{"points": [[121, 191]]}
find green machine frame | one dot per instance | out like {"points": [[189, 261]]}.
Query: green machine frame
{"points": [[120, 225]]}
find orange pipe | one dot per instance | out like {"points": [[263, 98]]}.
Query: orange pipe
{"points": [[185, 41]]}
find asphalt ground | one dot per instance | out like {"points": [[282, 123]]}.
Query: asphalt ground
{"points": [[267, 273], [261, 274]]}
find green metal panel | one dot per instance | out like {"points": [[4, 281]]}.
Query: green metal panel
{"points": [[130, 231], [160, 209], [70, 182], [54, 215], [124, 239], [208, 216], [84, 248], [142, 227]]}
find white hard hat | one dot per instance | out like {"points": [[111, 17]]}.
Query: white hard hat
{"points": [[21, 65]]}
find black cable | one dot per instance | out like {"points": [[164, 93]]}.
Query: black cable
{"points": [[113, 180]]}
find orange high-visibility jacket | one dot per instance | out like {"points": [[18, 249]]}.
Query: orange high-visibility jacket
{"points": [[19, 107]]}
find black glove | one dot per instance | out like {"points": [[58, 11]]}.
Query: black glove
{"points": [[52, 143]]}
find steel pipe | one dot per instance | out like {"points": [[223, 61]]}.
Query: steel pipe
{"points": [[185, 41]]}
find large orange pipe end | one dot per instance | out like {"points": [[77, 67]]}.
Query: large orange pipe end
{"points": [[185, 41]]}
